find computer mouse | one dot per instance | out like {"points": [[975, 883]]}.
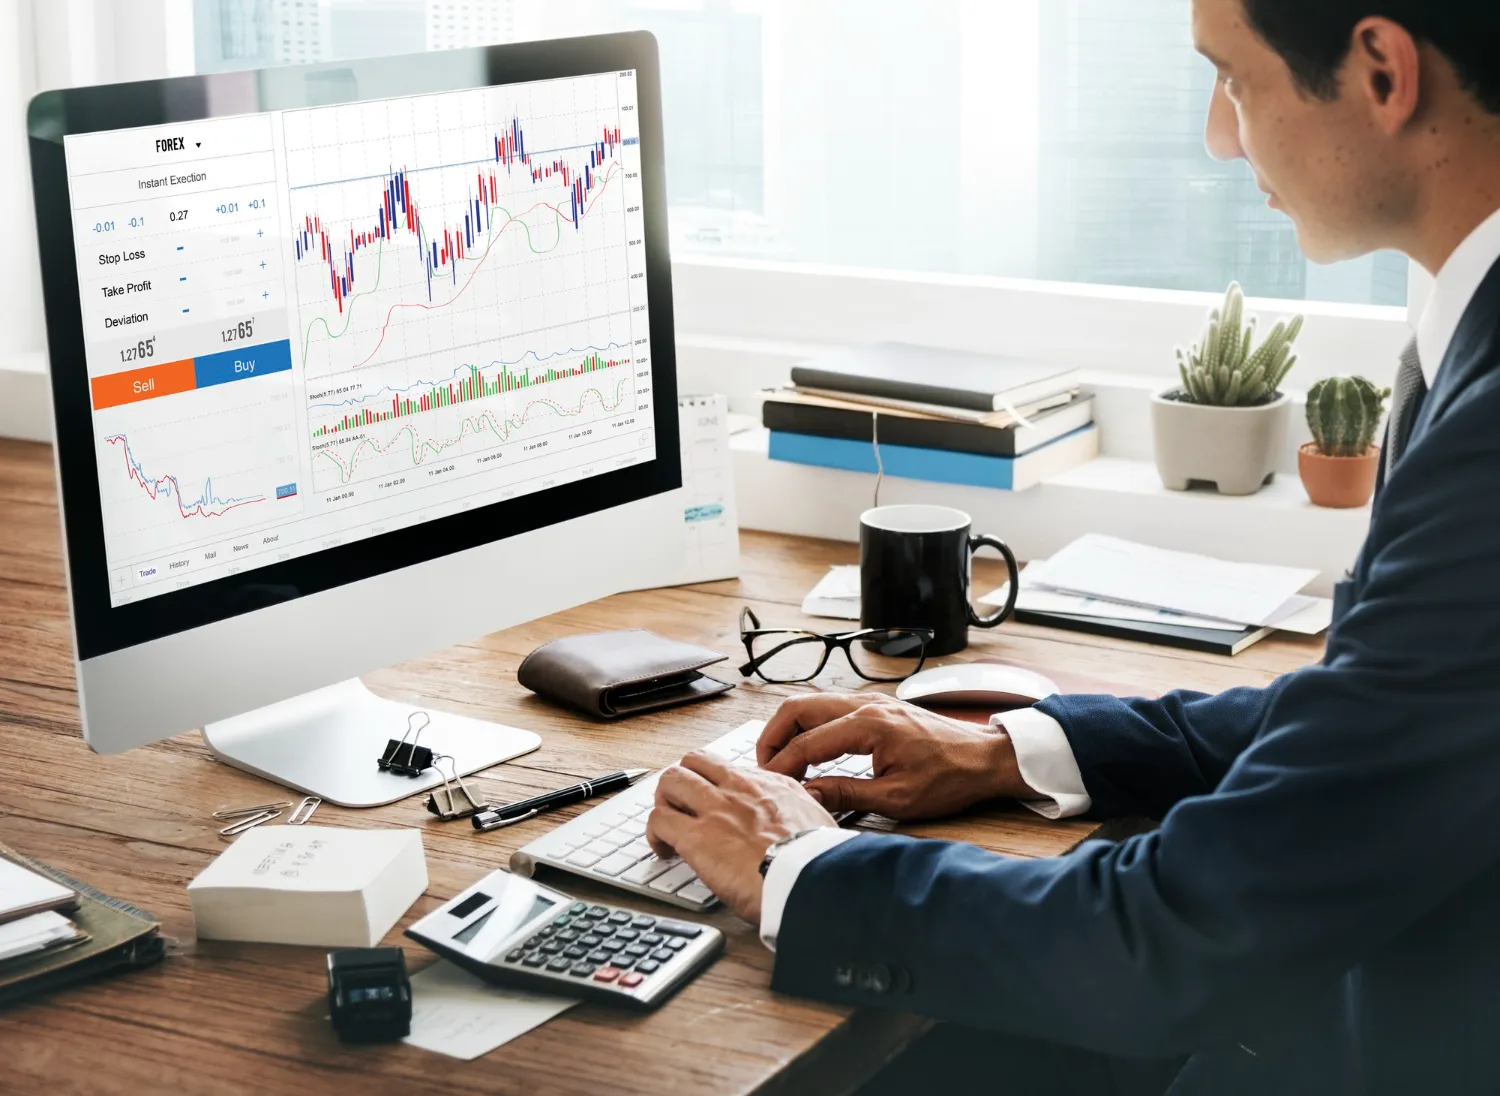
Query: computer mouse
{"points": [[976, 685]]}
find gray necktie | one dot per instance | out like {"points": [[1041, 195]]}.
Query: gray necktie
{"points": [[1406, 404]]}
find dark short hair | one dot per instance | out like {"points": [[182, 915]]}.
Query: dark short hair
{"points": [[1314, 37]]}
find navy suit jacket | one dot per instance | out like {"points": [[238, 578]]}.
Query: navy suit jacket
{"points": [[1319, 910]]}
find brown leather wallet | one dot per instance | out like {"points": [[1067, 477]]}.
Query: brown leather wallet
{"points": [[615, 674]]}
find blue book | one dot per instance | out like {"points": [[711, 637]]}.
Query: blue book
{"points": [[941, 465]]}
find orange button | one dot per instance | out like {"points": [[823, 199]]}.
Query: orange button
{"points": [[143, 384]]}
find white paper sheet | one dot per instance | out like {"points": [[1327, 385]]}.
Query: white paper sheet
{"points": [[1301, 614], [836, 595], [1136, 574], [456, 1014], [29, 934]]}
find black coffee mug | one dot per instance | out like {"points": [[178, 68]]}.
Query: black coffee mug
{"points": [[914, 573]]}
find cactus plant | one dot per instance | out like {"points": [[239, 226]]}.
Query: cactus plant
{"points": [[1343, 414], [1224, 370]]}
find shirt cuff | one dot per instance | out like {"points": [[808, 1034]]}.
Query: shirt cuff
{"points": [[781, 877], [1046, 762]]}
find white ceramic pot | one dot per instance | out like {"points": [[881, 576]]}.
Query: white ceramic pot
{"points": [[1237, 449]]}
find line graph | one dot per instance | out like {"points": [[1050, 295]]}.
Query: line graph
{"points": [[207, 505], [411, 448]]}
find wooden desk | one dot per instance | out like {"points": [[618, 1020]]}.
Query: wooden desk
{"points": [[229, 1017]]}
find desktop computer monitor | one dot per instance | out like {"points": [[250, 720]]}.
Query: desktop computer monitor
{"points": [[351, 362]]}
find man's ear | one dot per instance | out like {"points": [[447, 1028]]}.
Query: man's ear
{"points": [[1385, 68]]}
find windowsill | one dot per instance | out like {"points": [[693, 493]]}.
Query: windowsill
{"points": [[25, 402], [1111, 495]]}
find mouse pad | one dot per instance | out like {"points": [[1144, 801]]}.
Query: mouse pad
{"points": [[1066, 681]]}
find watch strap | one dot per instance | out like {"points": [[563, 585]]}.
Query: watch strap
{"points": [[777, 846]]}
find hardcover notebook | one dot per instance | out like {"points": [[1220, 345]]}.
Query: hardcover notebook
{"points": [[954, 378], [117, 937], [793, 416], [937, 465]]}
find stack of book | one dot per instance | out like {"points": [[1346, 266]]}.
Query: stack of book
{"points": [[944, 416]]}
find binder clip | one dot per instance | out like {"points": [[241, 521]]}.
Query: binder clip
{"points": [[405, 757], [455, 799]]}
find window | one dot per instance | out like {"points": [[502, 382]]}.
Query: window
{"points": [[1040, 139]]}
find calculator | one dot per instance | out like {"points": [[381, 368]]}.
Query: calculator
{"points": [[512, 931]]}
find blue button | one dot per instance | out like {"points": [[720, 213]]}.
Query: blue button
{"points": [[286, 491], [242, 363]]}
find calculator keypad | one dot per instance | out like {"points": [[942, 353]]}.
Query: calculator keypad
{"points": [[609, 946]]}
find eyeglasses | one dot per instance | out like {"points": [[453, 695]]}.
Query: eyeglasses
{"points": [[786, 656]]}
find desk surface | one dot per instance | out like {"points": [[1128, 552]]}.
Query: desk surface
{"points": [[219, 1017]]}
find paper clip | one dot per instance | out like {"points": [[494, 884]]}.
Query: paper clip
{"points": [[248, 823], [241, 812], [304, 810], [407, 758], [449, 808]]}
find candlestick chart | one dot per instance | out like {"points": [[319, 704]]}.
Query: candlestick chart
{"points": [[464, 273]]}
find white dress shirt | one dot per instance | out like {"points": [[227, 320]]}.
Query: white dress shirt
{"points": [[1043, 755]]}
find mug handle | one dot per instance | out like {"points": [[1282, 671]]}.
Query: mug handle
{"points": [[994, 619]]}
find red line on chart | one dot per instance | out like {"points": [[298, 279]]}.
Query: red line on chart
{"points": [[207, 506]]}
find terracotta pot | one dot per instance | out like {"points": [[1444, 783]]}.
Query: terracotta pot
{"points": [[1236, 449], [1340, 483]]}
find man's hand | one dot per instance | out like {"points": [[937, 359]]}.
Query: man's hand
{"points": [[722, 820], [925, 765]]}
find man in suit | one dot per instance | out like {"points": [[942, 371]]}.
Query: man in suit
{"points": [[1319, 909]]}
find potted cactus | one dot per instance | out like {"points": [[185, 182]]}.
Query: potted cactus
{"points": [[1226, 423], [1338, 466]]}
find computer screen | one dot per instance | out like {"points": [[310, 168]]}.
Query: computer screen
{"points": [[307, 327]]}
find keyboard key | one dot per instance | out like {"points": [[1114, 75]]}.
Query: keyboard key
{"points": [[663, 955], [676, 943], [600, 848], [614, 865], [631, 980], [515, 956], [626, 934], [598, 911], [583, 859], [643, 922], [536, 941], [597, 957], [640, 951], [696, 892], [645, 871], [562, 922], [638, 849], [546, 930], [635, 828], [606, 974], [612, 945], [635, 810], [595, 829], [621, 960], [568, 936], [616, 838], [575, 952], [620, 917], [679, 876], [552, 947], [559, 966], [679, 928], [534, 960], [582, 970], [648, 966], [578, 907], [592, 940], [654, 939], [601, 928]]}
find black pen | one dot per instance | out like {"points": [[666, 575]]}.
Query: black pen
{"points": [[512, 813]]}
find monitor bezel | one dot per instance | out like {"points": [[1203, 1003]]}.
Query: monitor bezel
{"points": [[101, 628]]}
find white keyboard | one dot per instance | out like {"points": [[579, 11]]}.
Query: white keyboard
{"points": [[608, 842]]}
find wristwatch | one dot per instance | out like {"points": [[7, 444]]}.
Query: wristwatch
{"points": [[775, 850]]}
